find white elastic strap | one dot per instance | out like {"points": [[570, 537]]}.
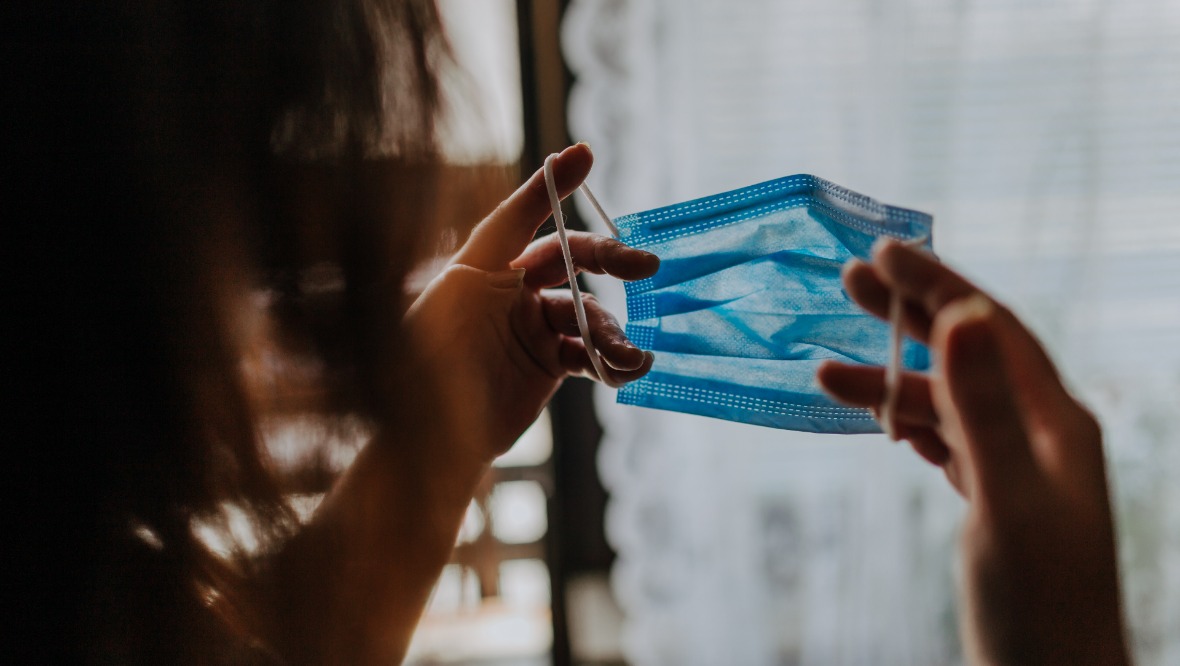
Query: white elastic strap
{"points": [[893, 370], [579, 308], [610, 224]]}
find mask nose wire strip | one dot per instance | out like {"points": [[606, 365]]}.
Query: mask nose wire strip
{"points": [[893, 370], [579, 308]]}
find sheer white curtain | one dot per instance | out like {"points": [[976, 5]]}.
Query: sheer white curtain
{"points": [[1044, 136]]}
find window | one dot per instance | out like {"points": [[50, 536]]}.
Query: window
{"points": [[1043, 137]]}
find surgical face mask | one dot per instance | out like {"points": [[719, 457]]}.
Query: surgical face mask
{"points": [[748, 302]]}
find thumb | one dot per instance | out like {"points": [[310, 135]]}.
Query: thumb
{"points": [[505, 233], [508, 281], [975, 399]]}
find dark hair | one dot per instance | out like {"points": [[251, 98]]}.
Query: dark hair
{"points": [[168, 161]]}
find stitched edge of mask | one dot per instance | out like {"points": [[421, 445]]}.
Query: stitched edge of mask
{"points": [[666, 222]]}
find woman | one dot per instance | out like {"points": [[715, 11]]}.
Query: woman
{"points": [[215, 206], [211, 210]]}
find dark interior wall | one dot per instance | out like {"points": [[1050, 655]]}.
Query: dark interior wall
{"points": [[576, 540]]}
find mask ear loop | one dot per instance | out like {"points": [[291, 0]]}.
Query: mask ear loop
{"points": [[579, 308], [893, 369], [610, 224]]}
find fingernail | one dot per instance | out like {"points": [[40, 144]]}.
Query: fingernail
{"points": [[580, 143], [917, 242], [650, 356], [509, 279], [624, 356], [973, 308]]}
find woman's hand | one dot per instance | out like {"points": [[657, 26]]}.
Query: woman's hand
{"points": [[497, 340], [1040, 574]]}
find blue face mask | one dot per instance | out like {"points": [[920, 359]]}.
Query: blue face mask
{"points": [[748, 302]]}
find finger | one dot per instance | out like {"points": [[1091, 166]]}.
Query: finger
{"points": [[919, 277], [867, 289], [974, 398], [864, 386], [926, 443], [509, 229], [576, 361], [606, 334], [591, 252]]}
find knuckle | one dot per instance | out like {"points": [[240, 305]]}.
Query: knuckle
{"points": [[603, 248], [499, 210]]}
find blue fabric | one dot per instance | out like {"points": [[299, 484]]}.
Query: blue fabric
{"points": [[748, 302]]}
